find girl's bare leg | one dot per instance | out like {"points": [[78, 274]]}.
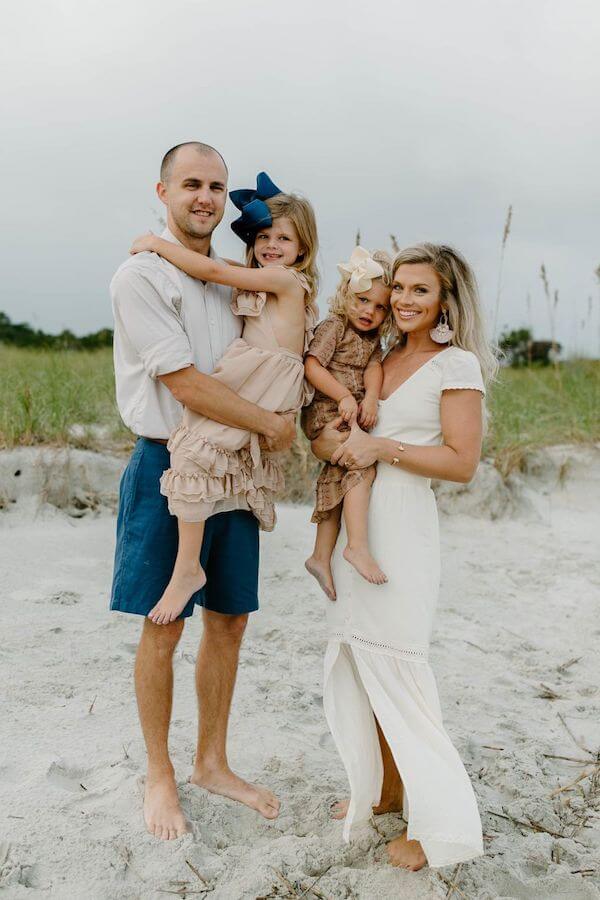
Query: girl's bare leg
{"points": [[188, 575], [319, 564], [356, 510]]}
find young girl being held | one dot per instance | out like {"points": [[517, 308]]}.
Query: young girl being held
{"points": [[343, 363], [214, 467]]}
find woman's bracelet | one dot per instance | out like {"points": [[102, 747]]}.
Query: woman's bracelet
{"points": [[396, 459]]}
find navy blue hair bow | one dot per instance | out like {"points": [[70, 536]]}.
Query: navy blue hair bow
{"points": [[255, 212]]}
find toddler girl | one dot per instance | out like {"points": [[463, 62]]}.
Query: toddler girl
{"points": [[215, 467], [343, 363]]}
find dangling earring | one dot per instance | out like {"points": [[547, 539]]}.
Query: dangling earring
{"points": [[442, 333]]}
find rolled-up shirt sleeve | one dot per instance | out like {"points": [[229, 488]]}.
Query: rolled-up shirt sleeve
{"points": [[142, 303]]}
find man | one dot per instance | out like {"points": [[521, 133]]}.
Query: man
{"points": [[170, 331]]}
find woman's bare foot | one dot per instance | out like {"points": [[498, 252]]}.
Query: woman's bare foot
{"points": [[365, 565], [177, 593], [387, 806], [162, 812], [339, 809], [322, 572], [406, 854], [228, 784]]}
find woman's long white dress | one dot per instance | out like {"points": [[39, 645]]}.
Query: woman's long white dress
{"points": [[376, 664]]}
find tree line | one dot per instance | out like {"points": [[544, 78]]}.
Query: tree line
{"points": [[22, 335], [518, 345]]}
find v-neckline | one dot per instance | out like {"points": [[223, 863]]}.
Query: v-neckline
{"points": [[416, 372]]}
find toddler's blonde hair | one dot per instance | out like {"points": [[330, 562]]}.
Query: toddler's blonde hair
{"points": [[300, 212], [338, 304]]}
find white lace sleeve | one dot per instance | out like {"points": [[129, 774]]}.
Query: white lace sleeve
{"points": [[461, 371]]}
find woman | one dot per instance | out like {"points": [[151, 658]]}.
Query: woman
{"points": [[380, 695]]}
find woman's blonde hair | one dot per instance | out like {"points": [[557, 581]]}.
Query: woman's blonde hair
{"points": [[300, 212], [460, 295], [338, 304]]}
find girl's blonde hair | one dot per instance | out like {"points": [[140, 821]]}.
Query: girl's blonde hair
{"points": [[460, 294], [338, 304], [300, 212]]}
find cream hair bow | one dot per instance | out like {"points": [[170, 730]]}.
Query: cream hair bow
{"points": [[362, 269]]}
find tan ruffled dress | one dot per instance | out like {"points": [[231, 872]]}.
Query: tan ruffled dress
{"points": [[345, 353], [216, 468]]}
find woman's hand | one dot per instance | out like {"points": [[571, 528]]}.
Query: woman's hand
{"points": [[144, 242], [358, 451], [367, 412], [328, 440], [348, 408]]}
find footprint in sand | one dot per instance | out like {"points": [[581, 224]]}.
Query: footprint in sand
{"points": [[65, 598], [67, 778]]}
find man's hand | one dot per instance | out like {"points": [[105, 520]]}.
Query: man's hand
{"points": [[284, 436], [329, 440]]}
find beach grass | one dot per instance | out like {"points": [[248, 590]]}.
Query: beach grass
{"points": [[58, 397], [67, 397]]}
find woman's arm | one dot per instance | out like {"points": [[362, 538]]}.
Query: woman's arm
{"points": [[273, 279], [455, 460]]}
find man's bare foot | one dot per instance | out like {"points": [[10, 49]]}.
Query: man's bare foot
{"points": [[322, 572], [339, 809], [162, 813], [365, 565], [228, 784], [406, 854], [177, 593]]}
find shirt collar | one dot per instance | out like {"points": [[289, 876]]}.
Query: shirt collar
{"points": [[169, 236]]}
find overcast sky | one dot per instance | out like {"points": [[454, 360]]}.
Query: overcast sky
{"points": [[421, 119]]}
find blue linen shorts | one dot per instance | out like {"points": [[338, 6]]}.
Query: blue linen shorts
{"points": [[147, 545]]}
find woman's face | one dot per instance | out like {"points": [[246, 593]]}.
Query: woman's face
{"points": [[416, 292]]}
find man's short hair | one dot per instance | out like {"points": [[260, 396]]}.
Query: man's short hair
{"points": [[166, 165]]}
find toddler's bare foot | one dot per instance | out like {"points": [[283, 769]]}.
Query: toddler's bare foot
{"points": [[406, 854], [228, 784], [365, 565], [322, 572], [339, 809], [176, 595], [162, 812]]}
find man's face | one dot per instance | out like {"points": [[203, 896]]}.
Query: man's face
{"points": [[195, 192]]}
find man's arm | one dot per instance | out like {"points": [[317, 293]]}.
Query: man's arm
{"points": [[157, 335], [209, 397]]}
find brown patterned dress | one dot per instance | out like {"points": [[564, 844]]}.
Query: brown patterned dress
{"points": [[345, 353]]}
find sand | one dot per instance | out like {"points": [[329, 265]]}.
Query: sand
{"points": [[518, 610]]}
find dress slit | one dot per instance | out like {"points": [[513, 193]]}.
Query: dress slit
{"points": [[438, 803]]}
